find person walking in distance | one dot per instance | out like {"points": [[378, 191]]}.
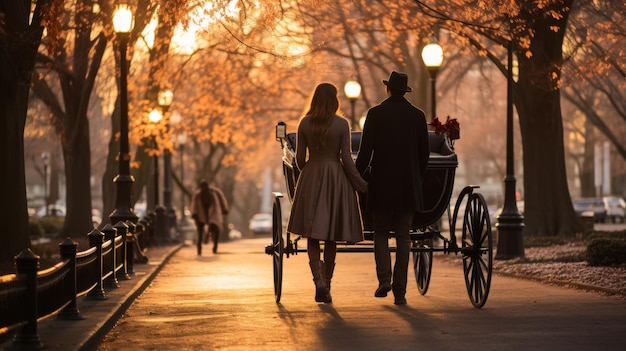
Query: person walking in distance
{"points": [[208, 208], [325, 205], [394, 150]]}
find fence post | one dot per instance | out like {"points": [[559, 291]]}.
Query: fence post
{"points": [[152, 239], [68, 250], [27, 337], [96, 238], [142, 240], [144, 222], [122, 230], [130, 248], [109, 235]]}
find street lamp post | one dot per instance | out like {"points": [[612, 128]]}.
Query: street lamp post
{"points": [[161, 219], [165, 101], [123, 24], [45, 157], [510, 223], [352, 89], [155, 117], [432, 55], [182, 140]]}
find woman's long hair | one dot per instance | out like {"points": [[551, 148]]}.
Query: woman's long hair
{"points": [[324, 106]]}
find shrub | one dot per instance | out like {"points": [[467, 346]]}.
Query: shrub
{"points": [[606, 251], [51, 225], [620, 234], [34, 229], [546, 241]]}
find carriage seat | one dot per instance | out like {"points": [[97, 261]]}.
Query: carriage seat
{"points": [[441, 154], [291, 141]]}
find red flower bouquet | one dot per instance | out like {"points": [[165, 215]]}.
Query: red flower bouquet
{"points": [[451, 127]]}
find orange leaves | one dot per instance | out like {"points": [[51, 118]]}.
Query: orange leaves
{"points": [[52, 15], [524, 42]]}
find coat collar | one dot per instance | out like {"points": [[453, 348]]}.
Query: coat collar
{"points": [[396, 98]]}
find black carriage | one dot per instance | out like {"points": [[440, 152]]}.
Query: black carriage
{"points": [[426, 238]]}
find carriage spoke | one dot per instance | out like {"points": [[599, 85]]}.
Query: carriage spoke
{"points": [[477, 284]]}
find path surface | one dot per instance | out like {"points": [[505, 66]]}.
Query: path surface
{"points": [[226, 302]]}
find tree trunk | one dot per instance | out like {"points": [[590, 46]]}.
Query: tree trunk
{"points": [[549, 210], [78, 188], [13, 207], [142, 173], [111, 167], [587, 181], [18, 47]]}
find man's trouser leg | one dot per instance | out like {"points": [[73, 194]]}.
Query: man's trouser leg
{"points": [[382, 222], [402, 223]]}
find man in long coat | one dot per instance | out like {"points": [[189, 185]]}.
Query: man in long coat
{"points": [[208, 207], [393, 157]]}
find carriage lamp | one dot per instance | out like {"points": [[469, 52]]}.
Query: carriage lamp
{"points": [[352, 88], [281, 130], [432, 55], [123, 24]]}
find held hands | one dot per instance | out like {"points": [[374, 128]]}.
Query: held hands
{"points": [[362, 188]]}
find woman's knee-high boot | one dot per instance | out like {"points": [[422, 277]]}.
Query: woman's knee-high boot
{"points": [[321, 291], [329, 270]]}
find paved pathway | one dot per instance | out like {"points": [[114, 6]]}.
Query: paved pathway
{"points": [[226, 302]]}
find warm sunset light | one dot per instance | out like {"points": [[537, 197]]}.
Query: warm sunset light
{"points": [[155, 116], [187, 40], [123, 19], [432, 54]]}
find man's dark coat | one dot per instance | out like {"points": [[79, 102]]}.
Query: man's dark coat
{"points": [[395, 144]]}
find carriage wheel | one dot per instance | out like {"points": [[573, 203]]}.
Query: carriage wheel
{"points": [[477, 250], [422, 264], [277, 248]]}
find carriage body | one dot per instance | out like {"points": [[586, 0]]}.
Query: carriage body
{"points": [[476, 241], [438, 182]]}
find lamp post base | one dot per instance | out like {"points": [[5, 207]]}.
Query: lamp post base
{"points": [[123, 211], [161, 229], [510, 236]]}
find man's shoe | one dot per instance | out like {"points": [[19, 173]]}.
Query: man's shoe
{"points": [[382, 290], [399, 300], [215, 250]]}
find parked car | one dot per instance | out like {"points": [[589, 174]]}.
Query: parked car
{"points": [[615, 208], [591, 207], [54, 210], [261, 223], [96, 217]]}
